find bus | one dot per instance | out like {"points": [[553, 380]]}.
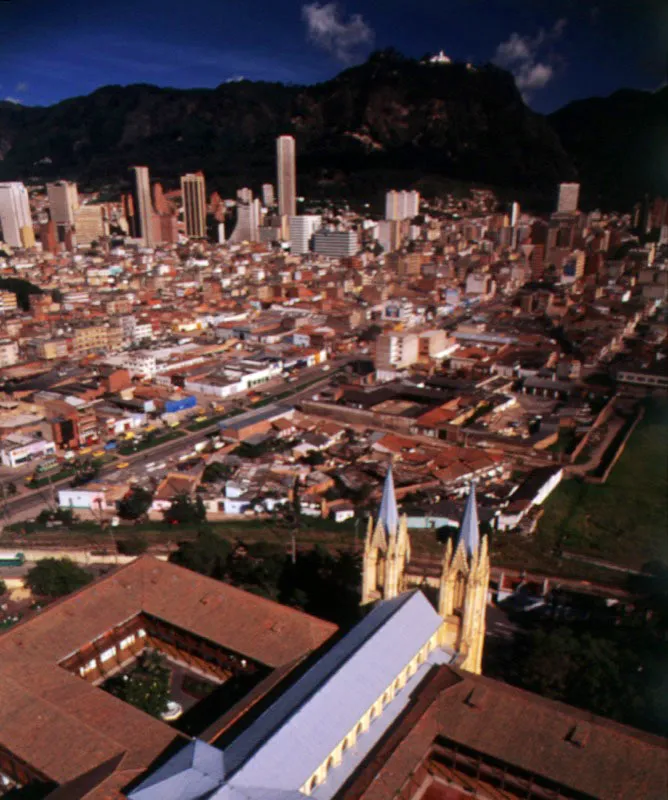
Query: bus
{"points": [[12, 559]]}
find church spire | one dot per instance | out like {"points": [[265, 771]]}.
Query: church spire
{"points": [[469, 530], [388, 514]]}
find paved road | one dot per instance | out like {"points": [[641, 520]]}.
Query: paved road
{"points": [[28, 505]]}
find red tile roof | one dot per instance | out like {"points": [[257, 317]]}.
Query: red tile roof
{"points": [[62, 726]]}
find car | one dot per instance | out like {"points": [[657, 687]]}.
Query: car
{"points": [[123, 465]]}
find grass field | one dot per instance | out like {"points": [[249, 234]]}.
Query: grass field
{"points": [[625, 520]]}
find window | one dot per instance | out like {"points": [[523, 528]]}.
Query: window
{"points": [[141, 632], [313, 784], [87, 667], [107, 654], [127, 641]]}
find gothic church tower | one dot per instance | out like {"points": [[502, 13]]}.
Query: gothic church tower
{"points": [[387, 549], [463, 583], [462, 593]]}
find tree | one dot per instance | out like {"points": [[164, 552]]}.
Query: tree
{"points": [[134, 545], [135, 503], [217, 472], [314, 458], [3, 588], [56, 577], [207, 554], [185, 511], [146, 687]]}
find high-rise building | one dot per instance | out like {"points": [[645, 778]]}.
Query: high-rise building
{"points": [[15, 218], [140, 216], [302, 228], [287, 176], [569, 194], [63, 201], [90, 224], [249, 219], [401, 205], [193, 191], [268, 198], [336, 244]]}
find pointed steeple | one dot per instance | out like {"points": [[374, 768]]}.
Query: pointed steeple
{"points": [[388, 514], [469, 529]]}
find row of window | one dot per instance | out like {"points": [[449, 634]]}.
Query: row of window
{"points": [[320, 775], [110, 652]]}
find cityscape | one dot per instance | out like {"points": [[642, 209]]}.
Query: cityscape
{"points": [[344, 482]]}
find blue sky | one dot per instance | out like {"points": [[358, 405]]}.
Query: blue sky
{"points": [[559, 50]]}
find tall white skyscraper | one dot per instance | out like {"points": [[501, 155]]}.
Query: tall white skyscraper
{"points": [[249, 219], [302, 228], [63, 201], [401, 205], [141, 224], [514, 214], [15, 219], [268, 198], [286, 171], [193, 194], [569, 194]]}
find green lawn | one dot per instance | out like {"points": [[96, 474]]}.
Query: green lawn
{"points": [[626, 519]]}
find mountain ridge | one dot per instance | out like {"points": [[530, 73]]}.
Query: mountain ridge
{"points": [[389, 121]]}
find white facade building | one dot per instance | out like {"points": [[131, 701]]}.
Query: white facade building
{"points": [[401, 205], [569, 194], [302, 228], [15, 218]]}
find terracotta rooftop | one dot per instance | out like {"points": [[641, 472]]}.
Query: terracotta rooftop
{"points": [[62, 726], [587, 755]]}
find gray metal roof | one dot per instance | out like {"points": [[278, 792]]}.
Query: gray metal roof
{"points": [[469, 531], [279, 752], [297, 733], [194, 772], [388, 514]]}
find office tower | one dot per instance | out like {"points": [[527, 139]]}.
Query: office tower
{"points": [[140, 218], [15, 219], [90, 224], [63, 201], [389, 235], [160, 203], [193, 192], [514, 222], [268, 198], [336, 244], [244, 195], [247, 228], [302, 228], [286, 174], [568, 197], [401, 205]]}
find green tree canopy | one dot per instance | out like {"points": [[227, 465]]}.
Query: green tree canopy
{"points": [[56, 577], [146, 686], [217, 472], [185, 511], [135, 503], [207, 554]]}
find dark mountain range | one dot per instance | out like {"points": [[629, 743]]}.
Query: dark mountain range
{"points": [[390, 121], [619, 145]]}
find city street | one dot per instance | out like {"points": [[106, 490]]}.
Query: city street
{"points": [[29, 503]]}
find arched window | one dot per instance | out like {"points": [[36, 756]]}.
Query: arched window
{"points": [[386, 698], [345, 744], [459, 592], [313, 784], [329, 764], [358, 730], [373, 714]]}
